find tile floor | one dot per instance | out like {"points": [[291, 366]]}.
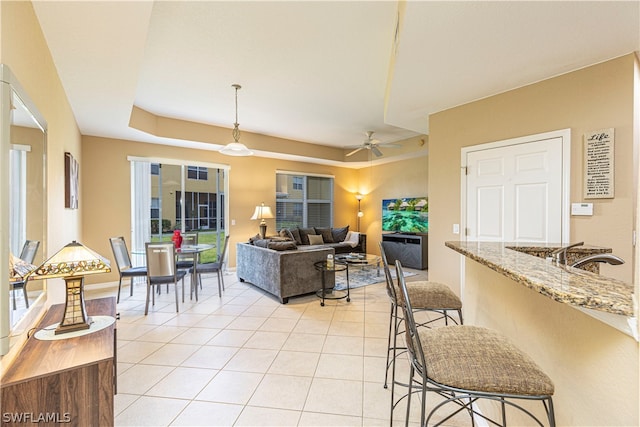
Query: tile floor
{"points": [[244, 359]]}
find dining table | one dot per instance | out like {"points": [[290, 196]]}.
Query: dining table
{"points": [[194, 250], [188, 250]]}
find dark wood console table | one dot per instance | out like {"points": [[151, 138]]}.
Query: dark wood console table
{"points": [[70, 380]]}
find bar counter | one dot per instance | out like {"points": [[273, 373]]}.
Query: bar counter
{"points": [[579, 327], [561, 283]]}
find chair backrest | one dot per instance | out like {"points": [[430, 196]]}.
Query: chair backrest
{"points": [[224, 250], [120, 252], [391, 288], [28, 253], [189, 239], [414, 346], [161, 259]]}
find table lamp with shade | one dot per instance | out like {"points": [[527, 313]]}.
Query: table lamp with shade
{"points": [[72, 263], [262, 212]]}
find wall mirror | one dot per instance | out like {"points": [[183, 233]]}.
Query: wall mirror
{"points": [[23, 134]]}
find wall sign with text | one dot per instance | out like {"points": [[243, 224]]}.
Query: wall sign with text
{"points": [[598, 164]]}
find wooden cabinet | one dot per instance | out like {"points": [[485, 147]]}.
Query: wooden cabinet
{"points": [[410, 249], [70, 380]]}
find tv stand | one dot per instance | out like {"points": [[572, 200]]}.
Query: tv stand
{"points": [[410, 249]]}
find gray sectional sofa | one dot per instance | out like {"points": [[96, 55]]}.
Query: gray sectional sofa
{"points": [[338, 238], [282, 273], [283, 265]]}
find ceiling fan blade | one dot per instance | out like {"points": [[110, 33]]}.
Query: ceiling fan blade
{"points": [[375, 150], [354, 151]]}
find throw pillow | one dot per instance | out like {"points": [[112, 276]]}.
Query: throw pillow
{"points": [[261, 243], [296, 235], [285, 232], [315, 239], [304, 234], [339, 234], [327, 237], [282, 246], [253, 239]]}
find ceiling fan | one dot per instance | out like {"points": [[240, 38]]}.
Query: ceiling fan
{"points": [[370, 144]]}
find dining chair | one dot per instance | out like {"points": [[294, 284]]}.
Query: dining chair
{"points": [[437, 300], [162, 269], [463, 364], [214, 267], [187, 261], [123, 262], [27, 254]]}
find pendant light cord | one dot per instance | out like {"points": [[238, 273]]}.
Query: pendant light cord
{"points": [[236, 125]]}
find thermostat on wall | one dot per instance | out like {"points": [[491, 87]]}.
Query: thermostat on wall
{"points": [[581, 208]]}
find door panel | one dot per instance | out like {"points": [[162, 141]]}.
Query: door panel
{"points": [[490, 207], [514, 192], [531, 212]]}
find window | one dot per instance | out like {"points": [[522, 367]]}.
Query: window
{"points": [[303, 200], [298, 182], [164, 199], [155, 214], [201, 212], [196, 172]]}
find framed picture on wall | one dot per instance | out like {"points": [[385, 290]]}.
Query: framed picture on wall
{"points": [[70, 182]]}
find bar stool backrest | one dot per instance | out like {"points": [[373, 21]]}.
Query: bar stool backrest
{"points": [[414, 346], [391, 288]]}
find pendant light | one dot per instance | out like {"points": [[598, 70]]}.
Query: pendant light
{"points": [[236, 148]]}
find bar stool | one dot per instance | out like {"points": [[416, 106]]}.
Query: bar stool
{"points": [[466, 363], [426, 296]]}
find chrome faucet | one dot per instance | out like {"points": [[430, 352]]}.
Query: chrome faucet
{"points": [[608, 258], [559, 255]]}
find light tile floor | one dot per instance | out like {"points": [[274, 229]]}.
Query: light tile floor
{"points": [[244, 359]]}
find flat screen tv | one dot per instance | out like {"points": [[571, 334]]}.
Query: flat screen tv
{"points": [[405, 215]]}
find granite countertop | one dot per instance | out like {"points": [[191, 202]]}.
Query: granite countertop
{"points": [[561, 283]]}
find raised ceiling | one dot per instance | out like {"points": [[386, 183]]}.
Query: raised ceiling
{"points": [[317, 72]]}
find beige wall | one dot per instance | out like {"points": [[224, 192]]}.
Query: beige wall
{"points": [[105, 176], [594, 367], [600, 96], [405, 178], [24, 50], [105, 193]]}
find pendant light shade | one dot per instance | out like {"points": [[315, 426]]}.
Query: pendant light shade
{"points": [[236, 148]]}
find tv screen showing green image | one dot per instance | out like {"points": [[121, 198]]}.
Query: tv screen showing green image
{"points": [[405, 215]]}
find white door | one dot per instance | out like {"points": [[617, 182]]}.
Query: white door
{"points": [[516, 189]]}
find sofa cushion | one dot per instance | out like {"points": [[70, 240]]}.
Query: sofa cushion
{"points": [[304, 233], [262, 243], [339, 234], [315, 239], [286, 233], [326, 234], [296, 235], [284, 245]]}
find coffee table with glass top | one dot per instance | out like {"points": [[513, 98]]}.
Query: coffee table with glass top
{"points": [[365, 262]]}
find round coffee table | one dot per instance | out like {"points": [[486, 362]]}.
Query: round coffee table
{"points": [[366, 261], [330, 293]]}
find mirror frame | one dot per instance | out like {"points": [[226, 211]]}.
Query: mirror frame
{"points": [[9, 86]]}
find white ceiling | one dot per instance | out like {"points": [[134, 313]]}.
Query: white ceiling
{"points": [[321, 72]]}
